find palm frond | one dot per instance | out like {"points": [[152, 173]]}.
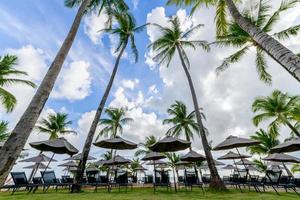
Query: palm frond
{"points": [[261, 66], [7, 99], [221, 18], [287, 33], [232, 59]]}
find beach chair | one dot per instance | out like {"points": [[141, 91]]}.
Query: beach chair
{"points": [[50, 180], [162, 179], [121, 180], [20, 181], [192, 180]]}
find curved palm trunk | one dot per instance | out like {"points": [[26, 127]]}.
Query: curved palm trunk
{"points": [[88, 142], [285, 57], [17, 140], [292, 128], [216, 182], [174, 178]]}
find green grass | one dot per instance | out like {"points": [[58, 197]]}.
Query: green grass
{"points": [[145, 194]]}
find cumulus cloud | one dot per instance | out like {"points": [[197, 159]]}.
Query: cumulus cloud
{"points": [[93, 24], [130, 84], [227, 98], [74, 82]]}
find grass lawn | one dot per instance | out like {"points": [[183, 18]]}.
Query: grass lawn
{"points": [[145, 194]]}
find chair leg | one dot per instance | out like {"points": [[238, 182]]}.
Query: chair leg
{"points": [[275, 190]]}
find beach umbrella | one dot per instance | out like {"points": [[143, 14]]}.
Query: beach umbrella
{"points": [[217, 163], [117, 160], [230, 167], [280, 157], [183, 163], [36, 166], [56, 146], [92, 168], [69, 164], [252, 168], [245, 161], [232, 156], [78, 157], [232, 142], [158, 162], [193, 156], [38, 159], [170, 144], [284, 158], [153, 156], [288, 146], [100, 162], [116, 143], [139, 168]]}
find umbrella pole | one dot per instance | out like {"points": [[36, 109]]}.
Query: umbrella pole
{"points": [[244, 163], [236, 167], [33, 172], [287, 170], [48, 163]]}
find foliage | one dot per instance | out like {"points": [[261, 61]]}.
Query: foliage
{"points": [[265, 20], [7, 78], [182, 121], [150, 140], [4, 133], [114, 123], [280, 108], [55, 124]]}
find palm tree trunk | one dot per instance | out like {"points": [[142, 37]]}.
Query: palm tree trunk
{"points": [[17, 140], [285, 57], [292, 128], [216, 182], [174, 179], [88, 142]]}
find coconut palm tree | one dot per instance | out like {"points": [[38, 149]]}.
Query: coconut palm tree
{"points": [[285, 57], [55, 124], [278, 107], [237, 37], [4, 133], [173, 159], [125, 30], [268, 140], [174, 39], [150, 140], [114, 123], [23, 128], [184, 123], [7, 73]]}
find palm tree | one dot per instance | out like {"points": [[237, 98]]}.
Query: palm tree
{"points": [[125, 30], [277, 107], [237, 37], [150, 140], [174, 39], [295, 168], [54, 125], [4, 133], [285, 57], [182, 121], [173, 159], [114, 123], [23, 128], [15, 143], [106, 156], [268, 140], [7, 70]]}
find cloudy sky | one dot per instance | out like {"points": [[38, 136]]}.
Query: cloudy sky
{"points": [[35, 30]]}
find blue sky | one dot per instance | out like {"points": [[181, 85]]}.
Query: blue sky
{"points": [[35, 30]]}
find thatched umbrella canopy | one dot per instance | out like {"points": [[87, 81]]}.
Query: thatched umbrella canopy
{"points": [[153, 156], [245, 161], [36, 166], [170, 144], [288, 146], [116, 143], [118, 160], [232, 156], [232, 142], [69, 164], [79, 156], [38, 159]]}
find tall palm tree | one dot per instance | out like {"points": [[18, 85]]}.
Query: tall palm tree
{"points": [[125, 31], [184, 123], [174, 39], [173, 159], [7, 71], [237, 37], [15, 143], [54, 125], [150, 140], [268, 140], [277, 107], [4, 133], [114, 123], [285, 57]]}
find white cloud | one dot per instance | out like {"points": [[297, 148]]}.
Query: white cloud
{"points": [[153, 89], [74, 82], [93, 24], [135, 4], [130, 84]]}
